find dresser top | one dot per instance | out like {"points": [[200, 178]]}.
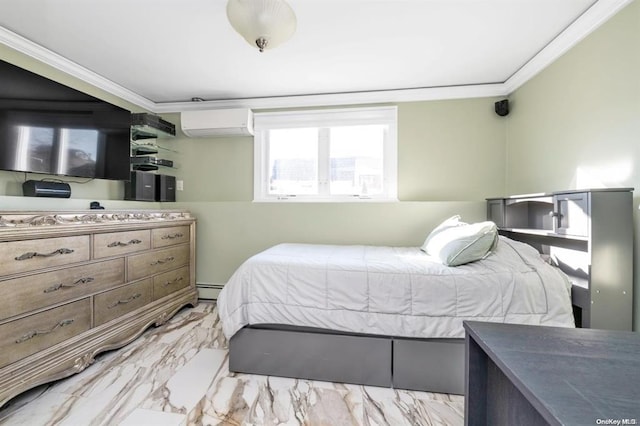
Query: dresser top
{"points": [[21, 222], [571, 376]]}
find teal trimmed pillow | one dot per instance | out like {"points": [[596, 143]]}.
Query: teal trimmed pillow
{"points": [[456, 243]]}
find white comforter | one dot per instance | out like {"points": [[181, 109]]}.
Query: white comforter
{"points": [[393, 291]]}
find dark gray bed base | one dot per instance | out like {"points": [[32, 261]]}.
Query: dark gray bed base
{"points": [[433, 365]]}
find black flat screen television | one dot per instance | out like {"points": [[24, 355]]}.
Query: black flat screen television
{"points": [[49, 128]]}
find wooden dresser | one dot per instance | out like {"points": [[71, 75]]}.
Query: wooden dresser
{"points": [[74, 284]]}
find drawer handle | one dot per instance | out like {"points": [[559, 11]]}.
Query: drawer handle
{"points": [[32, 254], [175, 280], [34, 333], [172, 236], [74, 284], [125, 301], [162, 261], [121, 244]]}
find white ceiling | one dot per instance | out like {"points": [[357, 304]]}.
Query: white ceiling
{"points": [[161, 53]]}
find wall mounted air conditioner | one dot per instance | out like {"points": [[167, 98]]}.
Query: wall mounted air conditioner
{"points": [[217, 123]]}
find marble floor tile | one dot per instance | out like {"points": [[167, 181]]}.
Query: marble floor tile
{"points": [[184, 390], [144, 417], [178, 374]]}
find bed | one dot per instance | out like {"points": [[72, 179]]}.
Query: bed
{"points": [[383, 316]]}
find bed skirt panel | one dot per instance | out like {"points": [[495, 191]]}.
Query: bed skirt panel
{"points": [[316, 356], [433, 365]]}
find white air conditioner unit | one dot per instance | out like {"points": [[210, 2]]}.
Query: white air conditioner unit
{"points": [[217, 123]]}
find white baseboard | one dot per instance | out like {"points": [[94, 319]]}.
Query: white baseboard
{"points": [[209, 291]]}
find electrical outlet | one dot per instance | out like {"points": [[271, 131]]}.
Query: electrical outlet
{"points": [[179, 185]]}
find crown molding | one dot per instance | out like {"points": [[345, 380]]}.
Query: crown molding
{"points": [[595, 16], [337, 99], [584, 25], [46, 56]]}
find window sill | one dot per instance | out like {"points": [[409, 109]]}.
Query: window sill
{"points": [[349, 200]]}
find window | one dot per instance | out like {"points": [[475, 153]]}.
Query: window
{"points": [[326, 155]]}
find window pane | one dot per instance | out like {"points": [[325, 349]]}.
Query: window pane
{"points": [[337, 155], [356, 159], [293, 161]]}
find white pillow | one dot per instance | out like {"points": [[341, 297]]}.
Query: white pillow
{"points": [[458, 244], [452, 222]]}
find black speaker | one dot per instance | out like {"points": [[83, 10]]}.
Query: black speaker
{"points": [[502, 107], [165, 188], [39, 188], [141, 187]]}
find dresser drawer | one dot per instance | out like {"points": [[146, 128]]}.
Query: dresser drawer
{"points": [[26, 336], [170, 236], [30, 255], [117, 302], [144, 265], [117, 243], [25, 294], [169, 282]]}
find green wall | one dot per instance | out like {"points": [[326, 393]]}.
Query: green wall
{"points": [[450, 158], [577, 123], [447, 151], [229, 232]]}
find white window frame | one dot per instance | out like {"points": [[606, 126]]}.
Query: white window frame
{"points": [[263, 122]]}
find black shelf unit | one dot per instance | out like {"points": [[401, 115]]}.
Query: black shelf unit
{"points": [[149, 126], [145, 184]]}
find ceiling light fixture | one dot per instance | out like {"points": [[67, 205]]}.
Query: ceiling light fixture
{"points": [[263, 23]]}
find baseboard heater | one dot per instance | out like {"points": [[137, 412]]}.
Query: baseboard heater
{"points": [[208, 291]]}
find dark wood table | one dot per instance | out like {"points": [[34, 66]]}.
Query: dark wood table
{"points": [[534, 375]]}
